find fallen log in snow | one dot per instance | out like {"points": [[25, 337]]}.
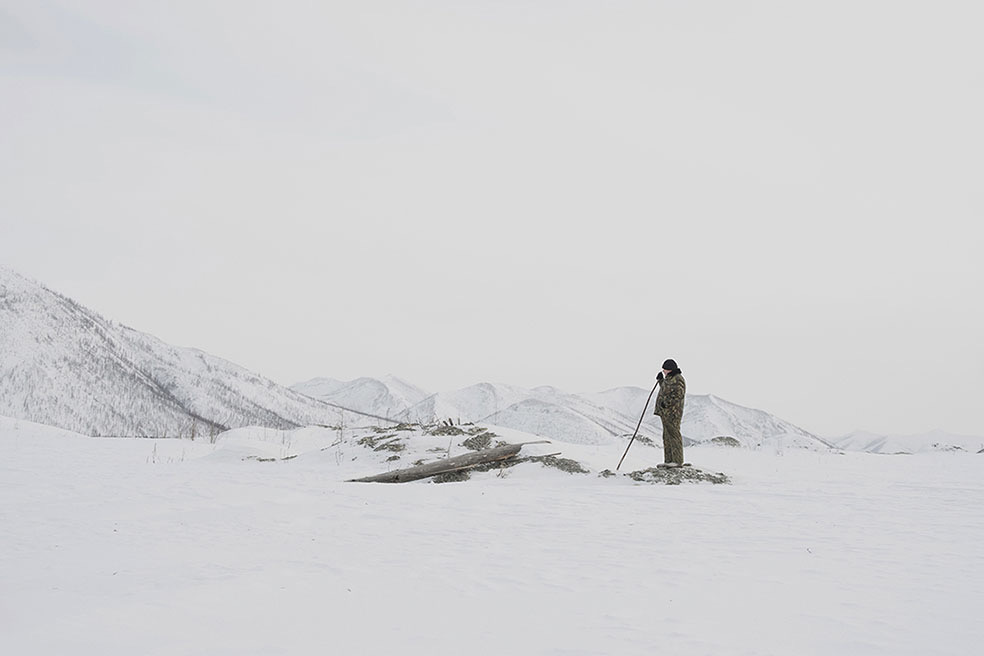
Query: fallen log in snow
{"points": [[466, 461]]}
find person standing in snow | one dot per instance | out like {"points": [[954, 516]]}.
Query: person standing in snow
{"points": [[669, 408]]}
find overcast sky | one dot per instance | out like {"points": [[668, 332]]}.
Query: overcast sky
{"points": [[785, 197]]}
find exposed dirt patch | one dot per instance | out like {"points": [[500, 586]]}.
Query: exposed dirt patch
{"points": [[452, 477], [445, 429], [478, 442], [563, 464], [388, 442], [677, 475]]}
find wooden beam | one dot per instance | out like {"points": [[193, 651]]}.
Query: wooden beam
{"points": [[466, 461]]}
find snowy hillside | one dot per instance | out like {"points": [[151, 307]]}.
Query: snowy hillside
{"points": [[552, 420], [917, 443], [708, 416], [64, 365], [319, 388], [468, 404]]}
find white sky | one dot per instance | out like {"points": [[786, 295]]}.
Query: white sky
{"points": [[785, 197]]}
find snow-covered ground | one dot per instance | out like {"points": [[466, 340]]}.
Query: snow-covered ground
{"points": [[130, 546]]}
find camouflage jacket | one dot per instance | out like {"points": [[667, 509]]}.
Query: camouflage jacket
{"points": [[669, 401]]}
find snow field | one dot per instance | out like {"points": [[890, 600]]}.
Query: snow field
{"points": [[123, 546]]}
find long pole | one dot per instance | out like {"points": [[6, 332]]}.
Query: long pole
{"points": [[658, 381]]}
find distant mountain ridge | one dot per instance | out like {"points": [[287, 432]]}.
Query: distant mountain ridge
{"points": [[387, 397], [916, 443], [598, 418]]}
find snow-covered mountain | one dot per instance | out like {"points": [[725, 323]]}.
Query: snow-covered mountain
{"points": [[386, 397], [916, 443], [597, 418], [319, 388], [552, 412], [708, 416], [64, 365], [469, 404]]}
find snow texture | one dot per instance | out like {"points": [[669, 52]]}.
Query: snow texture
{"points": [[254, 544]]}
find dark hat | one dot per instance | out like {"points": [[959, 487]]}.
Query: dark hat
{"points": [[670, 365]]}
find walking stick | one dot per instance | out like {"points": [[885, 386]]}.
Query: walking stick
{"points": [[659, 379]]}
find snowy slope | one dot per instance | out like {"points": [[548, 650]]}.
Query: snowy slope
{"points": [[469, 404], [708, 416], [916, 443], [319, 388], [64, 365], [11, 429], [607, 419], [628, 401], [557, 422]]}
